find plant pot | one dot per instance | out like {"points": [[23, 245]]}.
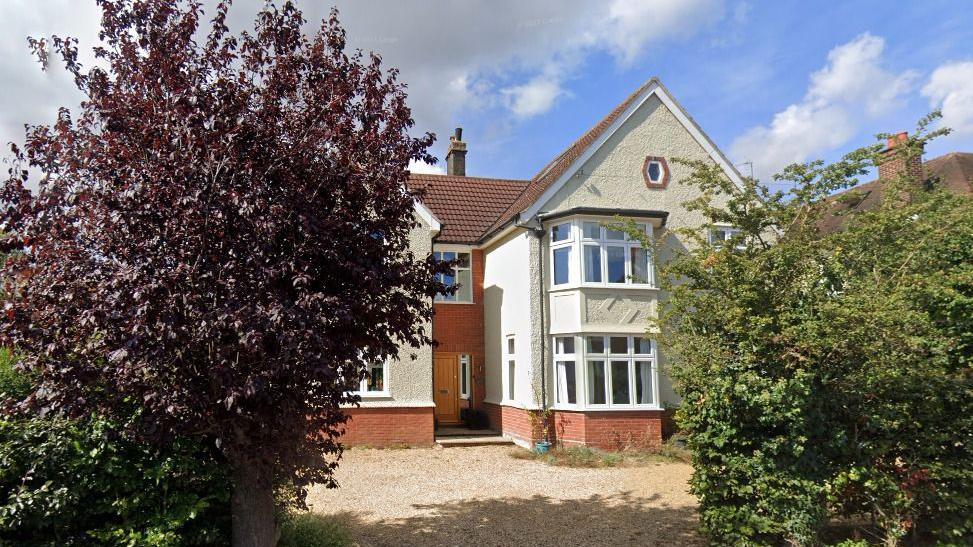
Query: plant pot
{"points": [[541, 447]]}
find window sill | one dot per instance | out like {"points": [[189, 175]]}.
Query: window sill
{"points": [[596, 408], [614, 287], [372, 395]]}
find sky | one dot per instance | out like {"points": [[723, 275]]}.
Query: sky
{"points": [[771, 82]]}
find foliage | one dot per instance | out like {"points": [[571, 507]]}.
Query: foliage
{"points": [[77, 482], [312, 530], [827, 375], [219, 239]]}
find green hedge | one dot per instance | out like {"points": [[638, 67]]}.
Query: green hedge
{"points": [[68, 483]]}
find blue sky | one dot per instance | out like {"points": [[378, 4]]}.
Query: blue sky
{"points": [[771, 82]]}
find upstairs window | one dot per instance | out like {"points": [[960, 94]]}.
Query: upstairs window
{"points": [[719, 235], [613, 257], [655, 172], [461, 275], [562, 253]]}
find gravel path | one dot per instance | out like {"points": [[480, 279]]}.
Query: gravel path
{"points": [[482, 496]]}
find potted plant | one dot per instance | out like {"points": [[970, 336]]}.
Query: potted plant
{"points": [[541, 419]]}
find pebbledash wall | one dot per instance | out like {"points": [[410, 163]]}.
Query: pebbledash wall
{"points": [[610, 179], [403, 415]]}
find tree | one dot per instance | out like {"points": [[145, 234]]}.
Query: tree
{"points": [[827, 376], [219, 242]]}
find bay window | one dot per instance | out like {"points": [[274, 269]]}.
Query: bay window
{"points": [[461, 275], [607, 256], [618, 371]]}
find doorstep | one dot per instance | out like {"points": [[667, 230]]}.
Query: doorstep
{"points": [[472, 440]]}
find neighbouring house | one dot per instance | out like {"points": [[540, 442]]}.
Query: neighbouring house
{"points": [[553, 307], [953, 172]]}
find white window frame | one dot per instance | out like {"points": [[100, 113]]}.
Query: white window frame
{"points": [[438, 250], [363, 391], [582, 357], [465, 368], [577, 242], [560, 357], [510, 358], [729, 232], [662, 171]]}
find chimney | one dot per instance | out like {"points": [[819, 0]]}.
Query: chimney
{"points": [[894, 165], [456, 154]]}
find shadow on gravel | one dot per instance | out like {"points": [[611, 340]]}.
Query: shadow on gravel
{"points": [[598, 520]]}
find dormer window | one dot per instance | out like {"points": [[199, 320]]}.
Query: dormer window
{"points": [[655, 172]]}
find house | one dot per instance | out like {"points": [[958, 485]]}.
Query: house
{"points": [[953, 172], [553, 306]]}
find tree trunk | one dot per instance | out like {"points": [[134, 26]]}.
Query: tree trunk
{"points": [[252, 505]]}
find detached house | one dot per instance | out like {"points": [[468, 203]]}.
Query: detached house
{"points": [[553, 306]]}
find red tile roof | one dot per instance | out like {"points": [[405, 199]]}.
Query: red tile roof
{"points": [[466, 206], [954, 171]]}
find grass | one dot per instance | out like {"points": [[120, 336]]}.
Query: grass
{"points": [[312, 530], [583, 456]]}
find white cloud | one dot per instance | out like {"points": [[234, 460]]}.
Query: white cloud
{"points": [[535, 97], [950, 88], [852, 87], [631, 25], [423, 167], [509, 59]]}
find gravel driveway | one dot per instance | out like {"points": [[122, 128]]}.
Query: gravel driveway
{"points": [[482, 496]]}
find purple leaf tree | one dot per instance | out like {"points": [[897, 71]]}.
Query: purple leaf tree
{"points": [[220, 239]]}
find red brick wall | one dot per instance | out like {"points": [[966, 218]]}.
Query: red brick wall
{"points": [[377, 426], [614, 430], [458, 328], [511, 421]]}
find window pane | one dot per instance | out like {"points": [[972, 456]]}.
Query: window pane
{"points": [[449, 256], [643, 345], [643, 228], [596, 382], [717, 236], [463, 260], [511, 375], [616, 264], [566, 383], [464, 381], [510, 345], [592, 230], [564, 345], [655, 171], [640, 265], [620, 392], [465, 291], [616, 235], [618, 344], [560, 232], [596, 344], [643, 382], [592, 263], [376, 378], [562, 264]]}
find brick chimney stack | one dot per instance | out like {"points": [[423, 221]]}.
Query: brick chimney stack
{"points": [[893, 165], [456, 154]]}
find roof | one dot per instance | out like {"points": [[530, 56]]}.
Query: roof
{"points": [[466, 206], [553, 170], [954, 172]]}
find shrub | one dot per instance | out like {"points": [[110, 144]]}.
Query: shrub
{"points": [[827, 377], [67, 482]]}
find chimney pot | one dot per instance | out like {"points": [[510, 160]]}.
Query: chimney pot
{"points": [[456, 154]]}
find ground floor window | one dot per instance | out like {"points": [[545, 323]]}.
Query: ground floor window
{"points": [[375, 381], [619, 371], [464, 376]]}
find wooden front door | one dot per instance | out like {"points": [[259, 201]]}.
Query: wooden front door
{"points": [[445, 385]]}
